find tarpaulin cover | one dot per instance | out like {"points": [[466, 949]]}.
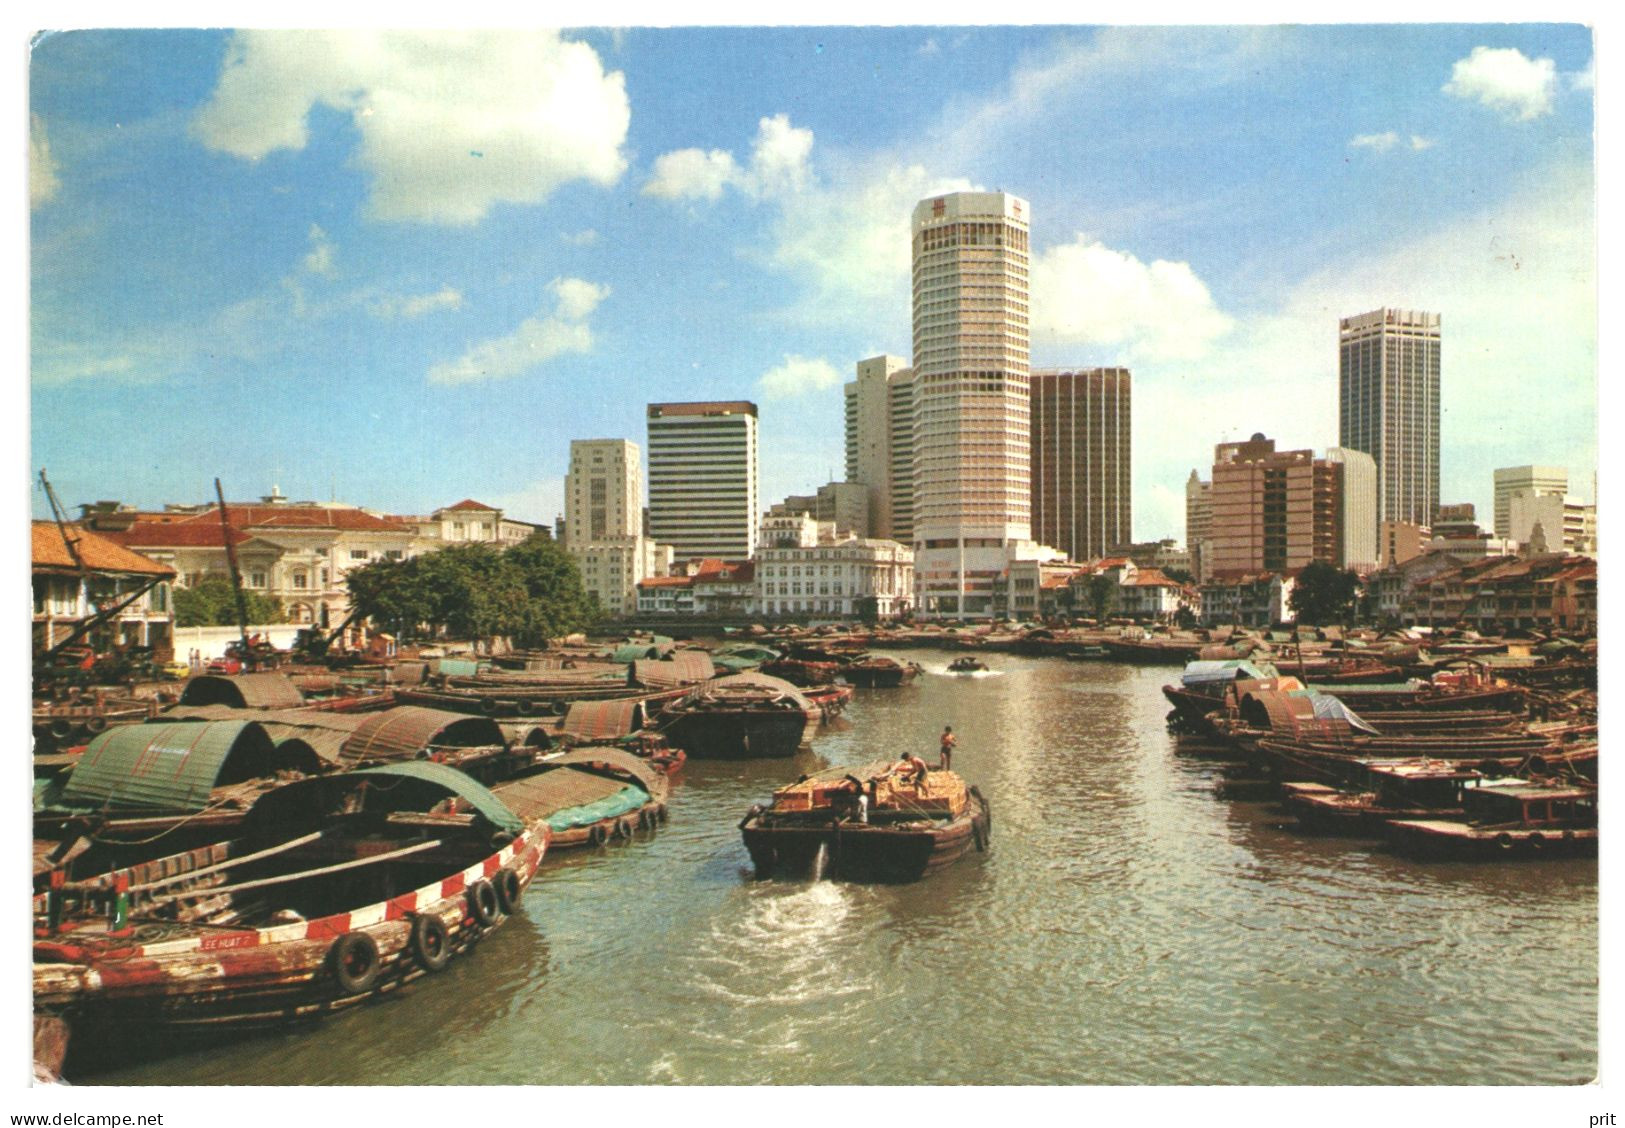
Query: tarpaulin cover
{"points": [[1228, 669]]}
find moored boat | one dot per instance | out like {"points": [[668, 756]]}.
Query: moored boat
{"points": [[589, 796], [869, 823], [742, 716], [967, 665], [1525, 820], [340, 888]]}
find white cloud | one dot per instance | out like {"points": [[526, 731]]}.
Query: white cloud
{"points": [[929, 47], [536, 341], [1084, 293], [690, 174], [416, 305], [799, 375], [319, 260], [778, 166], [1505, 80], [584, 238], [1384, 142], [43, 180], [450, 124], [1585, 79]]}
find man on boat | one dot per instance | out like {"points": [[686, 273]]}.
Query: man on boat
{"points": [[912, 763], [947, 746]]}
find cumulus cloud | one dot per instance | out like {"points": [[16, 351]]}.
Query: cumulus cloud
{"points": [[319, 260], [1506, 80], [450, 125], [799, 375], [550, 333], [583, 238], [43, 180], [1084, 293], [1385, 142], [778, 166], [416, 305]]}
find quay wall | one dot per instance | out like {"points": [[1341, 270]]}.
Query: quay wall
{"points": [[212, 641]]}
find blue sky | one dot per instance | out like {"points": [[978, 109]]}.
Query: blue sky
{"points": [[401, 269]]}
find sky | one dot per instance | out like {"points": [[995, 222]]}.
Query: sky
{"points": [[399, 269]]}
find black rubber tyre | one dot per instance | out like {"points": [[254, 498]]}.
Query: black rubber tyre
{"points": [[508, 889], [431, 943], [482, 903], [597, 834], [354, 961]]}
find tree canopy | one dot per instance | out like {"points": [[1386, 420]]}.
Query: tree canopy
{"points": [[212, 602], [529, 592], [1324, 594]]}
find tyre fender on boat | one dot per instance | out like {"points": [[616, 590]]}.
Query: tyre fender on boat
{"points": [[1537, 842], [353, 959], [483, 904], [647, 818], [1504, 840], [978, 834], [597, 834], [624, 828], [755, 809], [94, 725], [62, 728], [987, 810], [509, 888], [431, 944]]}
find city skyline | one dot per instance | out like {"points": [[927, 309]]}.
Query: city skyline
{"points": [[425, 309]]}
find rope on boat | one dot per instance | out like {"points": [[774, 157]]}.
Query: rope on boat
{"points": [[287, 877]]}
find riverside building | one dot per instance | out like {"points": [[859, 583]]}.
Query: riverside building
{"points": [[1081, 454]]}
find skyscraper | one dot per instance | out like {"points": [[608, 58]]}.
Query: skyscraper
{"points": [[702, 479], [879, 444], [1388, 406], [1081, 495], [1359, 502], [603, 491], [971, 469]]}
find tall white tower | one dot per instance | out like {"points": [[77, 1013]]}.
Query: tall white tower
{"points": [[972, 430], [603, 492]]}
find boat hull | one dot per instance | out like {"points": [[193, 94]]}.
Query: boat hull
{"points": [[1436, 840], [769, 734]]}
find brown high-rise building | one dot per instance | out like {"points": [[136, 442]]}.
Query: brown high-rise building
{"points": [[1274, 511], [1080, 460]]}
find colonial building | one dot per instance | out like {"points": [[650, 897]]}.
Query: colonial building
{"points": [[852, 578], [81, 574]]}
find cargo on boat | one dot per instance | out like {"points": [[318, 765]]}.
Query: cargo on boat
{"points": [[870, 823], [879, 672], [339, 888]]}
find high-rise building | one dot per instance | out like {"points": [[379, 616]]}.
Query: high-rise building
{"points": [[1388, 406], [1535, 481], [1199, 526], [1274, 511], [879, 443], [1359, 502], [603, 491], [1081, 494], [972, 500], [900, 393], [603, 523], [702, 479]]}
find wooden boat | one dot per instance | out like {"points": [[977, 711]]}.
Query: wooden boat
{"points": [[742, 716], [339, 889], [589, 796], [1152, 651], [879, 672], [1389, 789], [1522, 820], [830, 699], [967, 665], [869, 823]]}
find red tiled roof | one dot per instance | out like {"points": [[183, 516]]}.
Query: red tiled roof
{"points": [[300, 517], [736, 574], [100, 553], [468, 503], [173, 534], [666, 581]]}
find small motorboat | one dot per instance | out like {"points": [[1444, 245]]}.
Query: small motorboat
{"points": [[967, 665]]}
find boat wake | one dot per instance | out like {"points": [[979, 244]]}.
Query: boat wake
{"points": [[944, 671]]}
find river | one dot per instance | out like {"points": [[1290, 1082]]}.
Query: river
{"points": [[1126, 927]]}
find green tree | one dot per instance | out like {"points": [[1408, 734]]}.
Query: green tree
{"points": [[555, 602], [1324, 594], [212, 602], [1100, 592]]}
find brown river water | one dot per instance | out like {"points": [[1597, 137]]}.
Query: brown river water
{"points": [[1126, 927]]}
